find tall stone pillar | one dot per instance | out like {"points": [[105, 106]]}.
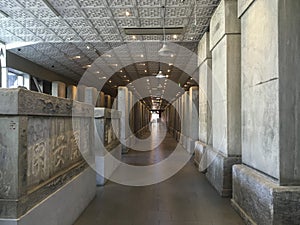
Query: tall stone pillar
{"points": [[58, 89], [71, 92], [192, 118], [226, 101], [80, 96], [181, 108], [123, 106], [101, 99], [186, 119], [266, 187], [108, 101], [205, 101], [91, 95]]}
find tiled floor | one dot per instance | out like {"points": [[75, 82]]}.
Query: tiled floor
{"points": [[184, 199]]}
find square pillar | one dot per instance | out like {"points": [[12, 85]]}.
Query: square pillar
{"points": [[71, 92], [58, 89], [266, 186], [91, 95], [123, 106], [226, 98], [193, 118]]}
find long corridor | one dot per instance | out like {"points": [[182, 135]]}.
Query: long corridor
{"points": [[184, 199]]}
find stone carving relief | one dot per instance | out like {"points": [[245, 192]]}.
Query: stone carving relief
{"points": [[39, 163], [60, 149], [4, 187], [75, 143]]}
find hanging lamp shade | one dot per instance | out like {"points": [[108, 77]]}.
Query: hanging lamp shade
{"points": [[165, 51], [160, 75]]}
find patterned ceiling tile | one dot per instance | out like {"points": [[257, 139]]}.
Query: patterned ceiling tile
{"points": [[96, 13], [71, 13], [127, 22], [121, 12], [177, 12], [120, 3], [32, 3], [9, 4], [176, 22], [150, 12], [42, 13], [91, 3], [63, 4], [151, 22], [102, 22], [156, 3]]}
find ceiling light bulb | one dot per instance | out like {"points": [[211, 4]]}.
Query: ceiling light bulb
{"points": [[142, 56], [175, 36], [127, 13], [145, 71], [133, 37]]}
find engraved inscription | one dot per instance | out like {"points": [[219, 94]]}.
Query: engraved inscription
{"points": [[38, 166], [59, 150], [75, 138]]}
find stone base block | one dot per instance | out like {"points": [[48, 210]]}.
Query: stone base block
{"points": [[181, 140], [260, 200], [190, 145], [107, 165], [200, 162], [63, 206], [219, 171]]}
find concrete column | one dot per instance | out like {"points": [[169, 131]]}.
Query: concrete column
{"points": [[58, 89], [71, 92], [205, 102], [101, 99], [192, 118], [3, 64], [226, 101], [108, 101], [186, 122], [91, 95], [266, 187], [205, 90], [80, 93], [123, 106]]}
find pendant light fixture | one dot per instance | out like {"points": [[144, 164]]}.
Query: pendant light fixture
{"points": [[165, 51], [160, 74]]}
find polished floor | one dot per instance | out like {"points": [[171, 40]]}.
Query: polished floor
{"points": [[184, 199]]}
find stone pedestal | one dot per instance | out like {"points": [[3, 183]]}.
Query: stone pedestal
{"points": [[266, 187], [40, 158], [226, 97], [107, 147], [58, 89]]}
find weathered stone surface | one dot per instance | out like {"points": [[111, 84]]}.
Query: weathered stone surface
{"points": [[200, 156], [219, 171], [203, 49], [24, 102], [260, 200], [91, 95], [39, 148], [226, 100], [243, 5], [205, 101], [107, 144], [260, 88], [224, 21]]}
